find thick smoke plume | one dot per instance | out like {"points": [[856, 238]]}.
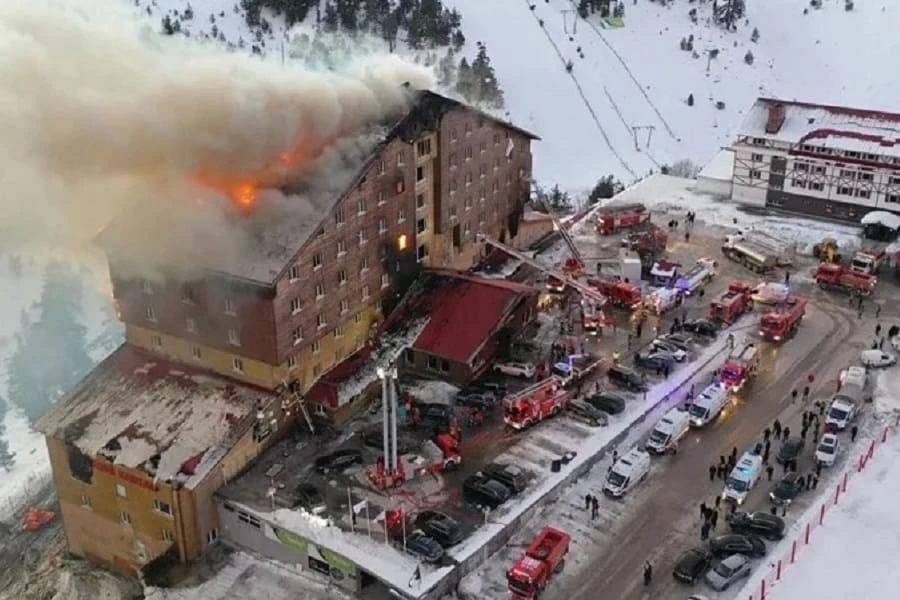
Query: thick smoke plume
{"points": [[103, 118]]}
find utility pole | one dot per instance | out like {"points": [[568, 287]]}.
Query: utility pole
{"points": [[635, 129], [574, 13]]}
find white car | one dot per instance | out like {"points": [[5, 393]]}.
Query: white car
{"points": [[877, 358], [669, 348], [827, 450], [516, 369]]}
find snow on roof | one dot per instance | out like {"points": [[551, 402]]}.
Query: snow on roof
{"points": [[136, 405], [881, 217], [720, 167], [836, 127]]}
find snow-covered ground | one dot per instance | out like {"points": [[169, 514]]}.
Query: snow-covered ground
{"points": [[854, 552]]}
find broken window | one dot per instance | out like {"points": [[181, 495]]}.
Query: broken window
{"points": [[80, 465]]}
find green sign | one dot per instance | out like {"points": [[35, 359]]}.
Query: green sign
{"points": [[338, 562], [291, 539]]}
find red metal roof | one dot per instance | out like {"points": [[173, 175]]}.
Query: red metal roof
{"points": [[464, 315]]}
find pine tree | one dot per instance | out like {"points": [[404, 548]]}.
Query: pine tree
{"points": [[331, 18], [167, 27], [465, 85], [486, 89], [348, 14]]}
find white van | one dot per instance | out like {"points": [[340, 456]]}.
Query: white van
{"points": [[707, 405], [668, 431], [743, 477], [628, 471], [855, 376], [841, 412]]}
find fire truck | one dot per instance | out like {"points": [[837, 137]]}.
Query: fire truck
{"points": [[836, 277], [611, 219], [544, 557], [868, 260], [663, 273], [700, 274], [592, 319], [651, 239], [620, 293], [731, 304], [662, 300], [780, 323], [740, 367], [535, 403]]}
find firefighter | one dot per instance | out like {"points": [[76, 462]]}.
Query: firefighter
{"points": [[616, 356]]}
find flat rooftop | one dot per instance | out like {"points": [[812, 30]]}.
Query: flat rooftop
{"points": [[143, 412]]}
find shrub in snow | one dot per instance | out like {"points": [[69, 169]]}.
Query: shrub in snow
{"points": [[754, 37], [720, 105], [848, 6], [684, 168], [815, 3], [748, 58], [690, 100]]}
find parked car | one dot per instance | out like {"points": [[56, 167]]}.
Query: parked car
{"points": [[516, 369], [654, 359], [435, 413], [702, 327], [691, 565], [476, 400], [790, 450], [485, 492], [511, 476], [736, 543], [441, 527], [497, 389], [827, 450], [587, 413], [877, 359], [608, 402], [626, 378], [662, 345], [374, 438], [310, 499], [423, 547], [679, 340], [728, 571], [787, 489], [758, 523], [338, 460]]}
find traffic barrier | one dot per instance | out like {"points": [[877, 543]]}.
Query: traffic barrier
{"points": [[777, 569]]}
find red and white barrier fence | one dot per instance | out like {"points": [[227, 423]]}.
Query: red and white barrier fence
{"points": [[777, 570]]}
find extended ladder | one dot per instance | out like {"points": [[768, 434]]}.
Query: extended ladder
{"points": [[564, 233], [292, 391]]}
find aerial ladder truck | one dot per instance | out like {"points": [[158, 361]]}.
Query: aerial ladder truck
{"points": [[574, 265]]}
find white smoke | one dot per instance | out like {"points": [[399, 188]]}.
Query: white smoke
{"points": [[102, 117]]}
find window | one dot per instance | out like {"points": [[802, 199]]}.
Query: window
{"points": [[382, 167], [339, 217], [755, 174], [801, 166], [422, 252], [468, 152], [420, 201], [468, 203], [756, 157], [363, 181], [845, 190], [892, 198], [382, 225], [295, 306], [508, 179], [467, 229], [758, 141], [357, 318], [819, 170], [496, 139], [423, 148], [341, 247], [401, 215], [156, 341], [146, 286], [86, 503], [291, 362], [496, 164], [316, 347], [297, 335], [385, 280], [452, 212], [295, 271], [847, 173], [379, 197], [126, 518], [452, 160], [453, 134], [364, 264], [363, 236], [365, 292], [233, 338], [400, 158], [421, 226], [482, 148], [338, 332], [317, 261], [121, 492], [482, 171], [191, 325], [321, 322], [345, 306], [320, 291], [237, 365], [342, 277], [187, 294], [167, 535], [248, 519], [481, 194], [420, 174], [317, 370], [863, 193], [229, 306], [495, 187], [150, 313], [815, 185], [800, 183], [361, 206], [468, 129], [452, 185], [469, 178], [212, 535], [864, 176], [196, 352]]}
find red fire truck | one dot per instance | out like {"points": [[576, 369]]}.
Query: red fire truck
{"points": [[740, 367], [535, 403], [592, 319], [650, 240], [732, 303], [545, 557], [782, 322], [837, 277], [620, 293], [611, 219]]}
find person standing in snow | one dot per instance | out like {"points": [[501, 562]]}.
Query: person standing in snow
{"points": [[648, 573], [853, 431]]}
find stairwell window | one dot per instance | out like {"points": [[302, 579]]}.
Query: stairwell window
{"points": [[229, 306], [382, 167], [149, 313], [233, 337]]}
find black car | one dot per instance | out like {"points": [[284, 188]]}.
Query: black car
{"points": [[439, 526], [702, 327], [497, 389], [655, 359], [626, 378], [423, 547], [514, 478], [787, 489], [587, 413], [762, 524], [692, 565], [476, 400], [790, 450], [374, 438], [310, 499], [338, 460], [723, 546], [608, 402], [435, 413], [482, 491], [680, 340]]}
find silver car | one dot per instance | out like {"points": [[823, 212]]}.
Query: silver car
{"points": [[727, 571]]}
